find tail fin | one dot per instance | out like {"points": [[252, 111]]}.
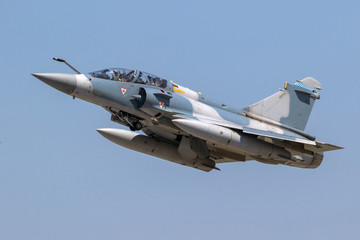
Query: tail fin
{"points": [[290, 106]]}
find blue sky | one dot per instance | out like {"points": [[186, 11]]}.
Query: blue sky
{"points": [[59, 179]]}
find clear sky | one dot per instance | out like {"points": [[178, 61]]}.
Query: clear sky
{"points": [[60, 179]]}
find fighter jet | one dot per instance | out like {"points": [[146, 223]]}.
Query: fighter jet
{"points": [[186, 127]]}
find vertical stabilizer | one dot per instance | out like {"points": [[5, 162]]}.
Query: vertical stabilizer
{"points": [[290, 106]]}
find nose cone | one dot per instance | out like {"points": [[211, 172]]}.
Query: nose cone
{"points": [[61, 81]]}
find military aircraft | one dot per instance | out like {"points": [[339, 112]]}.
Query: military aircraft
{"points": [[186, 127]]}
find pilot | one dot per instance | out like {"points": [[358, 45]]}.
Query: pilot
{"points": [[156, 81], [151, 80], [163, 83], [130, 76], [123, 76], [117, 75], [160, 82]]}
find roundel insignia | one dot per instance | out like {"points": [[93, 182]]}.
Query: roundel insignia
{"points": [[161, 104], [123, 90]]}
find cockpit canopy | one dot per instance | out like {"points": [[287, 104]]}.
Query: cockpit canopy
{"points": [[130, 75]]}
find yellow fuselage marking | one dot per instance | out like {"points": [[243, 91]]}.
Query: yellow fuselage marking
{"points": [[177, 90]]}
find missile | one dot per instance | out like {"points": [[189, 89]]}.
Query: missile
{"points": [[154, 147], [236, 141]]}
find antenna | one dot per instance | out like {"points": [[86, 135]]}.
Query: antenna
{"points": [[62, 60]]}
